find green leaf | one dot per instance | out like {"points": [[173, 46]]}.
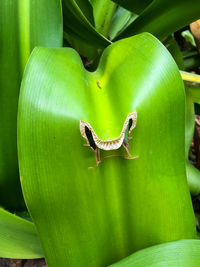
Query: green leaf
{"points": [[175, 51], [188, 37], [86, 9], [195, 93], [189, 121], [39, 23], [99, 215], [182, 253], [191, 60], [162, 18], [103, 13], [121, 19], [81, 46], [76, 22], [23, 24], [135, 6], [18, 238], [193, 174]]}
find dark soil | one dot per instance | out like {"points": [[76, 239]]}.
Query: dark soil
{"points": [[22, 263]]}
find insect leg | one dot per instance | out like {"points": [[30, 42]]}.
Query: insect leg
{"points": [[126, 146], [97, 156]]}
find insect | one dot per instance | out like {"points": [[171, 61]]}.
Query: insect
{"points": [[123, 140]]}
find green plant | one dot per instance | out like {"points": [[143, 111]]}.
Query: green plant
{"points": [[97, 216]]}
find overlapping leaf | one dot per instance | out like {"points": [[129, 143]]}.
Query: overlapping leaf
{"points": [[121, 19], [162, 18], [136, 6], [23, 24], [18, 238], [182, 253], [103, 13], [76, 23]]}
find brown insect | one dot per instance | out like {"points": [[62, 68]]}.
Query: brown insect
{"points": [[123, 140]]}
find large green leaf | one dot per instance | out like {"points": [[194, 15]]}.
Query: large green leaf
{"points": [[162, 18], [18, 237], [181, 253], [99, 215], [23, 24]]}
